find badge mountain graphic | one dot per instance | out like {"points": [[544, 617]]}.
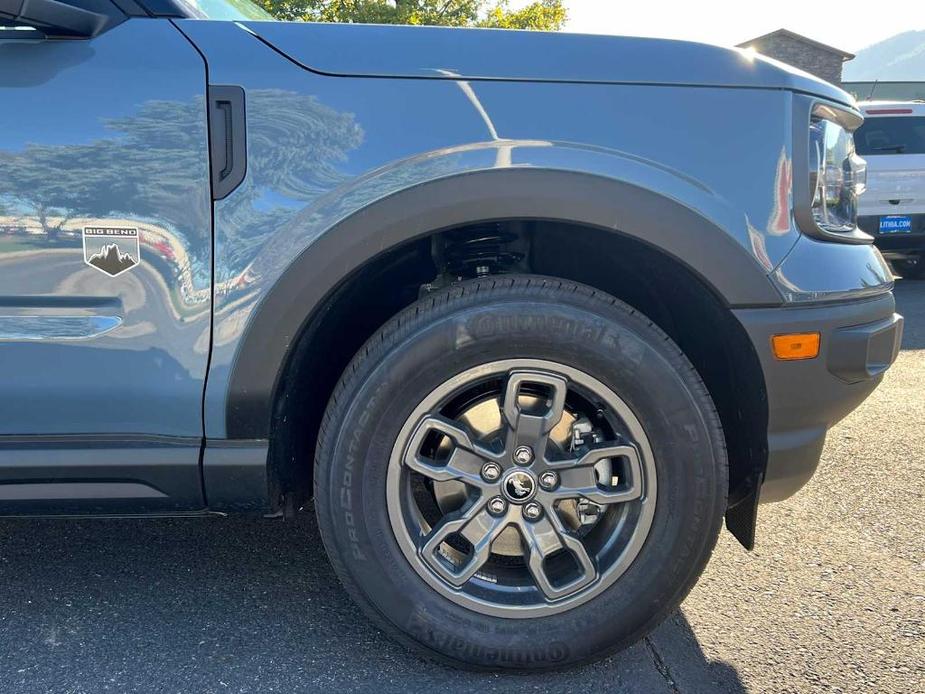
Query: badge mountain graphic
{"points": [[110, 259], [111, 250]]}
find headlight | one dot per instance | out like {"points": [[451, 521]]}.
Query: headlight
{"points": [[837, 176]]}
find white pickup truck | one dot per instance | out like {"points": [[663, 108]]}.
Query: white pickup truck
{"points": [[892, 140]]}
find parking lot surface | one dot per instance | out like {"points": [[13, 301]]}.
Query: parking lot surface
{"points": [[832, 599]]}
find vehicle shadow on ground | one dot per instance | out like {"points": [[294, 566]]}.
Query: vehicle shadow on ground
{"points": [[237, 605], [910, 302]]}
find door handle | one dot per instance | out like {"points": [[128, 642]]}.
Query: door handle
{"points": [[227, 138]]}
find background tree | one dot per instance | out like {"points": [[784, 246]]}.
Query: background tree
{"points": [[545, 15]]}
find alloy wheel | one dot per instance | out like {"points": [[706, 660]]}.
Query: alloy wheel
{"points": [[521, 488]]}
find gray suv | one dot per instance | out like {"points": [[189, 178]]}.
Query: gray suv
{"points": [[528, 315]]}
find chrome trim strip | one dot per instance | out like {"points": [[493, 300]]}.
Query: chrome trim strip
{"points": [[19, 328]]}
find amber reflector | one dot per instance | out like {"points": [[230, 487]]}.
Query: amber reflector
{"points": [[796, 346]]}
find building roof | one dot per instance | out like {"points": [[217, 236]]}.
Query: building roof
{"points": [[845, 55]]}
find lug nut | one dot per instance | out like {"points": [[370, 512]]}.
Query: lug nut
{"points": [[497, 506], [549, 480], [523, 455], [532, 511], [491, 472]]}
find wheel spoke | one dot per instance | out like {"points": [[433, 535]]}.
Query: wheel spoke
{"points": [[578, 478], [477, 526], [529, 428], [464, 462], [546, 537]]}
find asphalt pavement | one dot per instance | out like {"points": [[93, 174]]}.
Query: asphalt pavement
{"points": [[832, 599]]}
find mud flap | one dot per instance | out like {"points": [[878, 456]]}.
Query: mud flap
{"points": [[742, 519]]}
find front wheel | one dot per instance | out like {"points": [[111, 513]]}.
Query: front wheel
{"points": [[520, 473]]}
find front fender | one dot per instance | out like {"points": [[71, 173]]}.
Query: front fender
{"points": [[704, 237]]}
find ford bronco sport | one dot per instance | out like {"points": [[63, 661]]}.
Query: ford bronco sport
{"points": [[529, 315]]}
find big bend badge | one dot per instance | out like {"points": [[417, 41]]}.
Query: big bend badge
{"points": [[112, 250]]}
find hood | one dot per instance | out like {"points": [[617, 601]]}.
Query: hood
{"points": [[370, 50]]}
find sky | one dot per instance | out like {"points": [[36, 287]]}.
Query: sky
{"points": [[728, 22]]}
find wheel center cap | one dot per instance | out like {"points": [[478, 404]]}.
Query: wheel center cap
{"points": [[519, 486]]}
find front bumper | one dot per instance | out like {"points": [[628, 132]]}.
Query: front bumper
{"points": [[860, 340]]}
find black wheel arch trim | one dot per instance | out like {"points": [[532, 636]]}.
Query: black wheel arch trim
{"points": [[712, 253]]}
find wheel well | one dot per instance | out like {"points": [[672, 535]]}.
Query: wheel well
{"points": [[653, 282]]}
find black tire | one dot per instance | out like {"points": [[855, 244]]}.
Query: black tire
{"points": [[501, 318], [910, 269]]}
